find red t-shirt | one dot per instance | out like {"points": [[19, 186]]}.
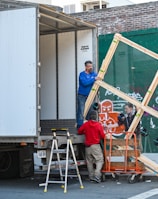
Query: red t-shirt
{"points": [[93, 132]]}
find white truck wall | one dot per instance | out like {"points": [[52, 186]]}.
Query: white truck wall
{"points": [[48, 77], [67, 76], [84, 48], [67, 45], [18, 73]]}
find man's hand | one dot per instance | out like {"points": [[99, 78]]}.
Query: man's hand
{"points": [[98, 78]]}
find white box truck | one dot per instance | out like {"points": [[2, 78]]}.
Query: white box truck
{"points": [[42, 52]]}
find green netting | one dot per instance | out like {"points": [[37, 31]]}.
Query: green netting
{"points": [[132, 72]]}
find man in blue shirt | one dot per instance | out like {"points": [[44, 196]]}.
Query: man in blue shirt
{"points": [[86, 80]]}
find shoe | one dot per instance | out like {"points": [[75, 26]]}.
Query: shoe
{"points": [[96, 179], [91, 180]]}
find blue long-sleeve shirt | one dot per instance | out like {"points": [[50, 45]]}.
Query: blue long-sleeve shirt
{"points": [[86, 82]]}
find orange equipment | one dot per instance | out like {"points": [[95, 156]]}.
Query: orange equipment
{"points": [[121, 157]]}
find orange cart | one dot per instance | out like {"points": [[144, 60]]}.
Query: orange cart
{"points": [[121, 157]]}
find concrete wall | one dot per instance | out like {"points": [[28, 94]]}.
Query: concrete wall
{"points": [[124, 18]]}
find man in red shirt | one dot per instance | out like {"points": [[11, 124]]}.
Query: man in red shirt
{"points": [[93, 132]]}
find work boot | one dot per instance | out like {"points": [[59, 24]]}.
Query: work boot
{"points": [[97, 179]]}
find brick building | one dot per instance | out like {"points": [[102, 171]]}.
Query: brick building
{"points": [[123, 18]]}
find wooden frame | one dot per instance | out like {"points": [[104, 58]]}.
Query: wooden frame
{"points": [[128, 98], [141, 107], [101, 74], [145, 102]]}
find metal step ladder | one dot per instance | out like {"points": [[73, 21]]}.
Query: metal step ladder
{"points": [[57, 151]]}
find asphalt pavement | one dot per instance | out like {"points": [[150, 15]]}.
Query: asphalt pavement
{"points": [[28, 188]]}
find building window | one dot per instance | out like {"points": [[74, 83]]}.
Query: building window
{"points": [[93, 4], [84, 7], [98, 7]]}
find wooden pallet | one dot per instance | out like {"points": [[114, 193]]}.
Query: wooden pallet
{"points": [[141, 107]]}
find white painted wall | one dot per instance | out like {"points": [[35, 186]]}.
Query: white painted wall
{"points": [[114, 3], [78, 5], [37, 1], [111, 3]]}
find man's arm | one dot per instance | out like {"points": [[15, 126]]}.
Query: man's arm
{"points": [[87, 81], [81, 130]]}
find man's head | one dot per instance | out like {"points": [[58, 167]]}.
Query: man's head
{"points": [[88, 66], [93, 115], [129, 108]]}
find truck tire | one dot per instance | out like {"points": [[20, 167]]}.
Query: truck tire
{"points": [[9, 167]]}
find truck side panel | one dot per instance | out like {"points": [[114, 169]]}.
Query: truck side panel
{"points": [[84, 48], [18, 73], [48, 77], [66, 75]]}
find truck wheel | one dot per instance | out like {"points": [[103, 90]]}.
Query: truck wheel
{"points": [[9, 167]]}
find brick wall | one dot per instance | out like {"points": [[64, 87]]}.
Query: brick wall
{"points": [[123, 18]]}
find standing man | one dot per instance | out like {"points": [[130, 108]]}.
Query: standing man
{"points": [[86, 80], [93, 132]]}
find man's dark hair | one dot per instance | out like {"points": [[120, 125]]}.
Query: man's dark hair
{"points": [[87, 62], [129, 105], [93, 115]]}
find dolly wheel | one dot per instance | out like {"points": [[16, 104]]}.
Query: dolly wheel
{"points": [[139, 177], [115, 176], [132, 179]]}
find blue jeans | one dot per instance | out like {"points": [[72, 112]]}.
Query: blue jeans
{"points": [[81, 100]]}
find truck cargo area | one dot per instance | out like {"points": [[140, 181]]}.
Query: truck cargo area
{"points": [[48, 52], [42, 52]]}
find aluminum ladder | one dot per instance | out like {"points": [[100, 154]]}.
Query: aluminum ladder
{"points": [[57, 151]]}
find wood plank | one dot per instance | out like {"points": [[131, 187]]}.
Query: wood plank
{"points": [[121, 142], [136, 46], [148, 162], [130, 153], [128, 98], [101, 74], [145, 102]]}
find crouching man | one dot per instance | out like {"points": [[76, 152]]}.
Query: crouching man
{"points": [[93, 132]]}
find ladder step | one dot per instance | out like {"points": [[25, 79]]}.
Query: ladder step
{"points": [[59, 151], [58, 182], [70, 175]]}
